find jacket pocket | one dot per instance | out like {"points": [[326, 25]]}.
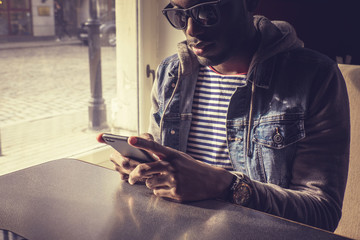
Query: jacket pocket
{"points": [[279, 131], [275, 140]]}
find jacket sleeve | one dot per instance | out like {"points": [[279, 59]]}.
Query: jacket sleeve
{"points": [[319, 172], [154, 125]]}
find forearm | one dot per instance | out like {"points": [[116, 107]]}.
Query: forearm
{"points": [[154, 125], [311, 208]]}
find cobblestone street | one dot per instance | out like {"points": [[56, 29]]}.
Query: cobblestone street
{"points": [[38, 82], [45, 89]]}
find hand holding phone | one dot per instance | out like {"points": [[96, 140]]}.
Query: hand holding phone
{"points": [[120, 144]]}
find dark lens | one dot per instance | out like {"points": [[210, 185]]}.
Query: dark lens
{"points": [[206, 15], [177, 18]]}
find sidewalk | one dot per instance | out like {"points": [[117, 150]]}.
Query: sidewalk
{"points": [[38, 43]]}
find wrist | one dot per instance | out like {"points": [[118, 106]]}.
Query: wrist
{"points": [[240, 190], [227, 180]]}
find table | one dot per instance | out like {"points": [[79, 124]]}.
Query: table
{"points": [[70, 199]]}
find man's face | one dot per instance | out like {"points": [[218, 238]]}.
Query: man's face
{"points": [[214, 45]]}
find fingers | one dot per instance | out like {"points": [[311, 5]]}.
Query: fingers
{"points": [[147, 136], [163, 152], [123, 164], [162, 180], [164, 185], [149, 170], [169, 193]]}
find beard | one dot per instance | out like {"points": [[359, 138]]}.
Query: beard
{"points": [[217, 56], [213, 60], [229, 42]]}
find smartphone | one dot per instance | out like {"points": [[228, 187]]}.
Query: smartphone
{"points": [[120, 144]]}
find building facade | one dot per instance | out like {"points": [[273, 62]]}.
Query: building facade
{"points": [[26, 19]]}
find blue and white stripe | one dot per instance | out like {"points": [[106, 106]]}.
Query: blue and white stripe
{"points": [[207, 138]]}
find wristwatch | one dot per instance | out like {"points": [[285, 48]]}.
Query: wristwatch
{"points": [[240, 190]]}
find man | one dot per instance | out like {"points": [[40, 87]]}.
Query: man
{"points": [[245, 114]]}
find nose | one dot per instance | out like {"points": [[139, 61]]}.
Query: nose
{"points": [[193, 29]]}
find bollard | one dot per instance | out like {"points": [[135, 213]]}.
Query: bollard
{"points": [[97, 107]]}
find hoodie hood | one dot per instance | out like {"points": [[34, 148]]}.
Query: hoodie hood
{"points": [[276, 37]]}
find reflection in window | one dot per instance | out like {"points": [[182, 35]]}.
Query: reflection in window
{"points": [[3, 24], [20, 4], [20, 23], [3, 4], [15, 18]]}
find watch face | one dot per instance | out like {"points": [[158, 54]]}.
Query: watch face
{"points": [[241, 194]]}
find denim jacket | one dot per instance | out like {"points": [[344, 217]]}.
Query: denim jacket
{"points": [[287, 128]]}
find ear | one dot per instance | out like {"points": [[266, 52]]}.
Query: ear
{"points": [[251, 5]]}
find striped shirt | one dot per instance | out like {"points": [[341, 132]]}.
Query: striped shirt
{"points": [[207, 137]]}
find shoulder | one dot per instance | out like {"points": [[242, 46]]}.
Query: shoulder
{"points": [[312, 71], [171, 60], [168, 68], [309, 58], [308, 64]]}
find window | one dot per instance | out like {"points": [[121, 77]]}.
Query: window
{"points": [[45, 86], [19, 4], [3, 23], [20, 23], [15, 17]]}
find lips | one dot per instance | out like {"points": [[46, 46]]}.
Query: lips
{"points": [[201, 48]]}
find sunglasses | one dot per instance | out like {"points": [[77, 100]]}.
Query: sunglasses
{"points": [[205, 14]]}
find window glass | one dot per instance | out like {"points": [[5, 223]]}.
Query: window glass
{"points": [[20, 23], [20, 4], [3, 4], [46, 83], [3, 23]]}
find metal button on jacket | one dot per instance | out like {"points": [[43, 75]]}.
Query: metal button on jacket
{"points": [[278, 138]]}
